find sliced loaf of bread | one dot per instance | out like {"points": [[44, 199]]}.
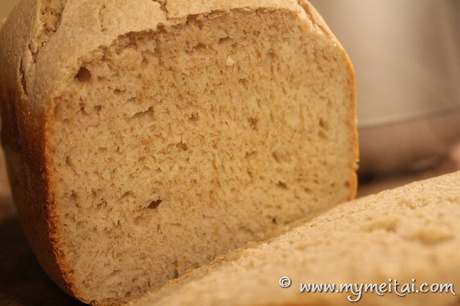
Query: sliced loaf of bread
{"points": [[403, 245], [144, 138]]}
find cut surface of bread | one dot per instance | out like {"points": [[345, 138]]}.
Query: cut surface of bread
{"points": [[144, 138], [406, 239]]}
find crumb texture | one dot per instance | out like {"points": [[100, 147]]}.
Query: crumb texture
{"points": [[409, 234], [174, 146]]}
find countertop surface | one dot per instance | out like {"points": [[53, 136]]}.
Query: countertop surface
{"points": [[23, 282]]}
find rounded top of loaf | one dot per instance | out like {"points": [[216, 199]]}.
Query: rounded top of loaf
{"points": [[51, 39]]}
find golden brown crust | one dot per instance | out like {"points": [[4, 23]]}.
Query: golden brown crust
{"points": [[23, 140], [355, 140]]}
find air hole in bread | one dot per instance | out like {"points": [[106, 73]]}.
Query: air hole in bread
{"points": [[225, 40], [144, 63], [281, 185], [154, 204], [253, 122], [102, 205], [128, 294], [276, 156], [195, 21], [83, 109], [79, 224], [250, 155], [176, 269], [244, 82], [83, 75], [194, 117], [199, 47], [323, 124], [322, 135], [126, 195], [281, 157], [147, 115], [70, 164], [182, 146], [74, 198], [114, 272]]}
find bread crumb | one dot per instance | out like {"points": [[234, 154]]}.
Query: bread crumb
{"points": [[230, 61]]}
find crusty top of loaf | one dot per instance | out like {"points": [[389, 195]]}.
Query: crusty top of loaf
{"points": [[409, 234], [38, 54], [91, 24]]}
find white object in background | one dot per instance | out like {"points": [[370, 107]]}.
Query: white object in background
{"points": [[406, 56]]}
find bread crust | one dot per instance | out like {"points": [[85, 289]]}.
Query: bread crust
{"points": [[24, 140], [34, 71]]}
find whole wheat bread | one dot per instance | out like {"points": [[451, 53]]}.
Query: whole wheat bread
{"points": [[407, 239], [143, 138]]}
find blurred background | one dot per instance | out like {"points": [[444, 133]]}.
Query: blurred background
{"points": [[6, 208], [6, 6], [406, 55]]}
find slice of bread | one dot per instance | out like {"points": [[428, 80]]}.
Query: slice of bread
{"points": [[409, 235], [143, 138]]}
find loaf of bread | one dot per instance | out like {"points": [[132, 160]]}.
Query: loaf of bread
{"points": [[407, 239], [144, 138]]}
